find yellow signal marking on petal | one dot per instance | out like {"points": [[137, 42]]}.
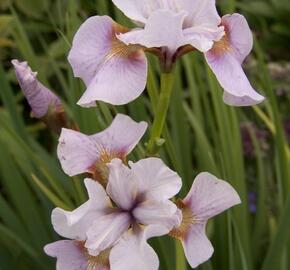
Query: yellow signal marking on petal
{"points": [[101, 260], [188, 219], [222, 46], [100, 169], [120, 49], [94, 261]]}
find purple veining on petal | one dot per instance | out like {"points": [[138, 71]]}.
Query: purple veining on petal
{"points": [[80, 153]]}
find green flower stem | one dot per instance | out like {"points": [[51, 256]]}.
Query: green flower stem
{"points": [[167, 80], [180, 258]]}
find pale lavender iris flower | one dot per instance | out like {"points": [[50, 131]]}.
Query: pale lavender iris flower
{"points": [[39, 97], [207, 198], [80, 153], [136, 208], [225, 60], [110, 59]]}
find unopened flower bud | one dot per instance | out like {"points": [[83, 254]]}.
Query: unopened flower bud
{"points": [[45, 105]]}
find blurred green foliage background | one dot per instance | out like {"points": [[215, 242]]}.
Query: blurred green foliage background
{"points": [[249, 147]]}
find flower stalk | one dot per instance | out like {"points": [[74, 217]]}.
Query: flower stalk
{"points": [[167, 81], [180, 258]]}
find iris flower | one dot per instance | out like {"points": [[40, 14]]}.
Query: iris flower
{"points": [[118, 221], [207, 198], [111, 59], [80, 153]]}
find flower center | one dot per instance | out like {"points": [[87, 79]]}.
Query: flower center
{"points": [[188, 220], [222, 46], [120, 49], [102, 260], [100, 170], [95, 262]]}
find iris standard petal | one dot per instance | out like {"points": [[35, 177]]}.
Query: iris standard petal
{"points": [[122, 186], [171, 24], [162, 29], [155, 179], [200, 12], [202, 38], [201, 26], [138, 10]]}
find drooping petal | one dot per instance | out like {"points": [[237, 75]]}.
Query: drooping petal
{"points": [[210, 196], [113, 72], [142, 256], [122, 187], [76, 152], [225, 60], [91, 44], [242, 101], [162, 29], [239, 34], [156, 180], [232, 78], [40, 98], [197, 247], [69, 254], [122, 135], [160, 213], [106, 231], [119, 81], [74, 224]]}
